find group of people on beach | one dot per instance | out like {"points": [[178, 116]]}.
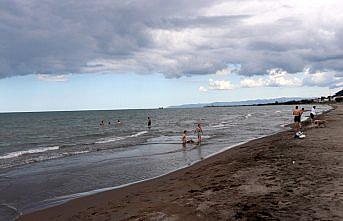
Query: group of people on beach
{"points": [[297, 113]]}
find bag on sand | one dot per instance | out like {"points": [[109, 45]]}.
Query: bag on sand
{"points": [[299, 135]]}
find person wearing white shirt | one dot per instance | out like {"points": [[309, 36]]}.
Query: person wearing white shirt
{"points": [[313, 113]]}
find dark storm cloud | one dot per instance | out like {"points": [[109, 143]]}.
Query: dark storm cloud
{"points": [[175, 38]]}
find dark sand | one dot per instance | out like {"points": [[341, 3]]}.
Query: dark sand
{"points": [[273, 178]]}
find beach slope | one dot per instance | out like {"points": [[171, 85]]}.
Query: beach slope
{"points": [[272, 178]]}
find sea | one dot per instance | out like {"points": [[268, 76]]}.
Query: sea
{"points": [[47, 158]]}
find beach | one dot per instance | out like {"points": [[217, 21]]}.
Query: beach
{"points": [[272, 178], [44, 164]]}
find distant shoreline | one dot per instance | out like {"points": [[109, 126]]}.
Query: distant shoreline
{"points": [[273, 104]]}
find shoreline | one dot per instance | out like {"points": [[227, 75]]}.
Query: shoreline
{"points": [[50, 203], [75, 206]]}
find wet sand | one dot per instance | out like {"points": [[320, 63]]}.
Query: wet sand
{"points": [[273, 178]]}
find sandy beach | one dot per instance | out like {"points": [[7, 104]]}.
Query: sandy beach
{"points": [[272, 178]]}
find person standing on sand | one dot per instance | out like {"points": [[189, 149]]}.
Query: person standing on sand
{"points": [[300, 114], [199, 132], [296, 114], [313, 113], [149, 122]]}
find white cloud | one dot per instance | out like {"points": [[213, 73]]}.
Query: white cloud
{"points": [[280, 78], [322, 79], [202, 89], [228, 70], [220, 85], [275, 78], [253, 82], [52, 78]]}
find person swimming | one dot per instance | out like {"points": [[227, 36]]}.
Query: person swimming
{"points": [[199, 132], [119, 122], [102, 123]]}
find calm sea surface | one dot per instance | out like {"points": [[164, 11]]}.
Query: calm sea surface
{"points": [[52, 154]]}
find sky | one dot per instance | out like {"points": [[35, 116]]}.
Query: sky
{"points": [[112, 54]]}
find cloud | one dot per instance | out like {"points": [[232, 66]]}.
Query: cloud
{"points": [[280, 78], [202, 89], [176, 38], [323, 79], [232, 68], [253, 82], [220, 85], [52, 78], [275, 78]]}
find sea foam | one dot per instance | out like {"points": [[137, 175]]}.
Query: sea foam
{"points": [[114, 139], [30, 151]]}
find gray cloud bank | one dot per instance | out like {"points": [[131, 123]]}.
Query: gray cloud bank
{"points": [[175, 38]]}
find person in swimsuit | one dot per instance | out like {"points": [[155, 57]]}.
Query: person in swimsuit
{"points": [[296, 114], [199, 132], [184, 138], [149, 122]]}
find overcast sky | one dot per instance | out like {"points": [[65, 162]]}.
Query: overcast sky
{"points": [[214, 48]]}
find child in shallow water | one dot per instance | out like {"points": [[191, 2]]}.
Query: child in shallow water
{"points": [[199, 133], [184, 138]]}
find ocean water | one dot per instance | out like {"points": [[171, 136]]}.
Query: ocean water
{"points": [[52, 154], [32, 137]]}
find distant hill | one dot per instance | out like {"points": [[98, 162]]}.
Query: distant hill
{"points": [[238, 103]]}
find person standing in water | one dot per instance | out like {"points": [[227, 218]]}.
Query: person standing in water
{"points": [[199, 132], [149, 122]]}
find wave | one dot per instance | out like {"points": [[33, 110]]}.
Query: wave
{"points": [[218, 126], [248, 115], [114, 139], [110, 140], [30, 151], [138, 134], [77, 152]]}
